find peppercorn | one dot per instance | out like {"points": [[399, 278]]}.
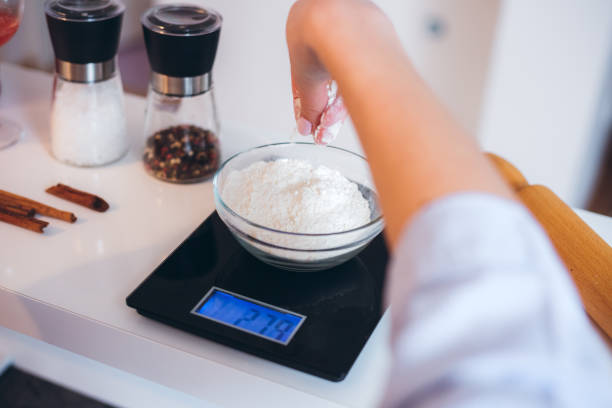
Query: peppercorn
{"points": [[182, 154]]}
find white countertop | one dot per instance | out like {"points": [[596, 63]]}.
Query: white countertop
{"points": [[68, 286]]}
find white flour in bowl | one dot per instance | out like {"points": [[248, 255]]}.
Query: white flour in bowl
{"points": [[291, 195]]}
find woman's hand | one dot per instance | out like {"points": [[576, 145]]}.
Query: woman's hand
{"points": [[318, 107]]}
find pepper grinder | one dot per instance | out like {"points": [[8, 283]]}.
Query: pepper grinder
{"points": [[181, 125], [88, 124]]}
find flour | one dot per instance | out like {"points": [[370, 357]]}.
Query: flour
{"points": [[292, 195]]}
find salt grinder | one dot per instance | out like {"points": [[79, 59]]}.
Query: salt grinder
{"points": [[88, 125], [181, 125]]}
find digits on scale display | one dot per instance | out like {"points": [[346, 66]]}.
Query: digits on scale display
{"points": [[248, 315]]}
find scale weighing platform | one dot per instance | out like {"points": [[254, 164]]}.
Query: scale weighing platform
{"points": [[316, 322]]}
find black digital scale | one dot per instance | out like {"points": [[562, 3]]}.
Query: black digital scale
{"points": [[316, 322]]}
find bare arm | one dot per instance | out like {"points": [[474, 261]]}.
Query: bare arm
{"points": [[416, 151]]}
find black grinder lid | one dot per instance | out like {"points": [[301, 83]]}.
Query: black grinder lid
{"points": [[181, 40], [84, 31]]}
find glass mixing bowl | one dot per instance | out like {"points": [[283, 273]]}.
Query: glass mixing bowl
{"points": [[291, 250]]}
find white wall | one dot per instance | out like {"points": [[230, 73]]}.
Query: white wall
{"points": [[547, 82], [455, 61]]}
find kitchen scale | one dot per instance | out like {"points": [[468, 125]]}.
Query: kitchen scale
{"points": [[316, 322]]}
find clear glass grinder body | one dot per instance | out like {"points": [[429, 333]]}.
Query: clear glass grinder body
{"points": [[181, 125], [88, 123]]}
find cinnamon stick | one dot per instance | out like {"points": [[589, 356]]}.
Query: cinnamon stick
{"points": [[19, 209], [83, 198], [40, 208], [31, 224]]}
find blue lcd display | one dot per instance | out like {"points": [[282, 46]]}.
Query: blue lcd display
{"points": [[248, 315]]}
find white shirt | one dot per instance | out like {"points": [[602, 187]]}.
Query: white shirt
{"points": [[485, 314]]}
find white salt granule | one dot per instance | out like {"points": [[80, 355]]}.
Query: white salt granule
{"points": [[88, 125], [292, 195]]}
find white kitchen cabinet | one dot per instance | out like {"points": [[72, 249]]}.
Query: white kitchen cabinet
{"points": [[548, 101]]}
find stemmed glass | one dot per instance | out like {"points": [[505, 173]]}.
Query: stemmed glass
{"points": [[10, 17]]}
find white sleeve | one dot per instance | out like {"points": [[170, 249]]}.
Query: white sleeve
{"points": [[485, 314]]}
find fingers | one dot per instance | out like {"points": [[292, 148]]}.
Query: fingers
{"points": [[331, 120], [309, 101], [319, 112]]}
